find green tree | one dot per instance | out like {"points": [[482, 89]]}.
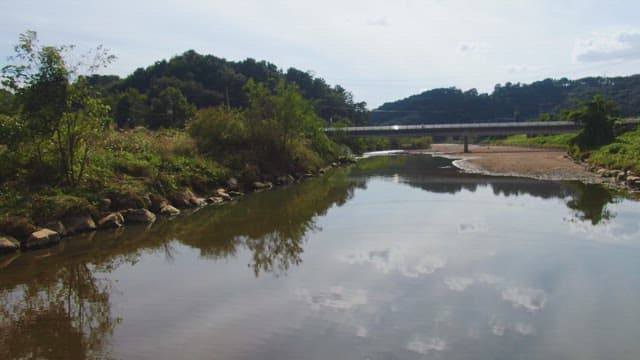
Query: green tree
{"points": [[131, 109], [57, 112], [597, 119], [219, 131], [170, 109]]}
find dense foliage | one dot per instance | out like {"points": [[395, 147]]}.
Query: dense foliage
{"points": [[61, 149], [509, 102], [208, 81]]}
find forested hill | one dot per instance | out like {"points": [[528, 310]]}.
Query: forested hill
{"points": [[509, 102], [200, 81]]}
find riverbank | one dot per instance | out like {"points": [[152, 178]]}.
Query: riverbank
{"points": [[531, 162], [538, 163], [66, 215]]}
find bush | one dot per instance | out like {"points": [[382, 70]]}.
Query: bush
{"points": [[16, 226], [55, 207]]}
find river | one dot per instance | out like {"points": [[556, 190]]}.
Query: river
{"points": [[398, 257]]}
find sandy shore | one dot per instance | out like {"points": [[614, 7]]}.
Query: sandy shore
{"points": [[548, 164]]}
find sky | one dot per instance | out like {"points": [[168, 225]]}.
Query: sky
{"points": [[381, 51]]}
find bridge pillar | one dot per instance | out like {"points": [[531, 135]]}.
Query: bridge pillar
{"points": [[466, 144]]}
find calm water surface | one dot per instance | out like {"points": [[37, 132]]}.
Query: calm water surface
{"points": [[398, 258]]}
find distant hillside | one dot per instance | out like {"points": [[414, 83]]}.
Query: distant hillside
{"points": [[509, 102], [206, 80]]}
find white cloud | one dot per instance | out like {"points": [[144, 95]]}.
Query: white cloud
{"points": [[526, 298], [458, 283], [622, 45], [424, 344], [409, 263], [336, 297], [381, 21], [524, 329], [473, 47]]}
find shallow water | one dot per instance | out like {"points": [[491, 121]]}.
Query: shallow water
{"points": [[400, 257]]}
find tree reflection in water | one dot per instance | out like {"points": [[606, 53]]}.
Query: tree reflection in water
{"points": [[588, 201], [63, 315], [54, 305]]}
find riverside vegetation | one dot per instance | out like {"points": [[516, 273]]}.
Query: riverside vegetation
{"points": [[68, 169], [609, 155]]}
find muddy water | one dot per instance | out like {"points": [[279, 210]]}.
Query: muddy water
{"points": [[400, 257]]}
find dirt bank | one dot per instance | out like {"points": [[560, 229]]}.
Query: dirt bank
{"points": [[548, 164]]}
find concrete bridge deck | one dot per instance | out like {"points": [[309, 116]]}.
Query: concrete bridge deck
{"points": [[471, 129]]}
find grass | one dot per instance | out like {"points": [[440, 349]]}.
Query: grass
{"points": [[623, 153], [124, 166], [562, 141]]}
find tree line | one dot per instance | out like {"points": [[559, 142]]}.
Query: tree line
{"points": [[168, 92], [510, 102]]}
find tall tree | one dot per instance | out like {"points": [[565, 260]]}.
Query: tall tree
{"points": [[56, 104]]}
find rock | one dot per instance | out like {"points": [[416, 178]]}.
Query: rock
{"points": [[215, 200], [140, 216], [128, 200], [17, 227], [182, 199], [262, 185], [601, 172], [308, 175], [8, 244], [198, 202], [78, 224], [232, 184], [633, 181], [57, 226], [223, 194], [621, 175], [41, 238], [169, 210], [285, 180], [235, 194], [111, 221], [158, 202], [104, 205], [147, 201]]}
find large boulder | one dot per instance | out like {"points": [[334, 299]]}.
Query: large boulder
{"points": [[169, 210], [8, 244], [56, 226], [215, 200], [232, 184], [633, 181], [158, 202], [79, 224], [111, 221], [223, 194], [198, 202], [140, 216], [16, 226], [262, 185], [41, 238], [183, 199]]}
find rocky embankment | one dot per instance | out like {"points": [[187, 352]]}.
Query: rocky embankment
{"points": [[19, 233], [621, 179]]}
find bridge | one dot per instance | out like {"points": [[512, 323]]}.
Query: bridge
{"points": [[458, 130]]}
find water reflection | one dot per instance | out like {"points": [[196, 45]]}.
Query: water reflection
{"points": [[57, 303], [63, 314], [433, 174], [54, 305]]}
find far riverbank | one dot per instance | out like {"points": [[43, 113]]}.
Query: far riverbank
{"points": [[544, 164]]}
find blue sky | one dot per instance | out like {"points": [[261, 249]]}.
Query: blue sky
{"points": [[379, 50]]}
